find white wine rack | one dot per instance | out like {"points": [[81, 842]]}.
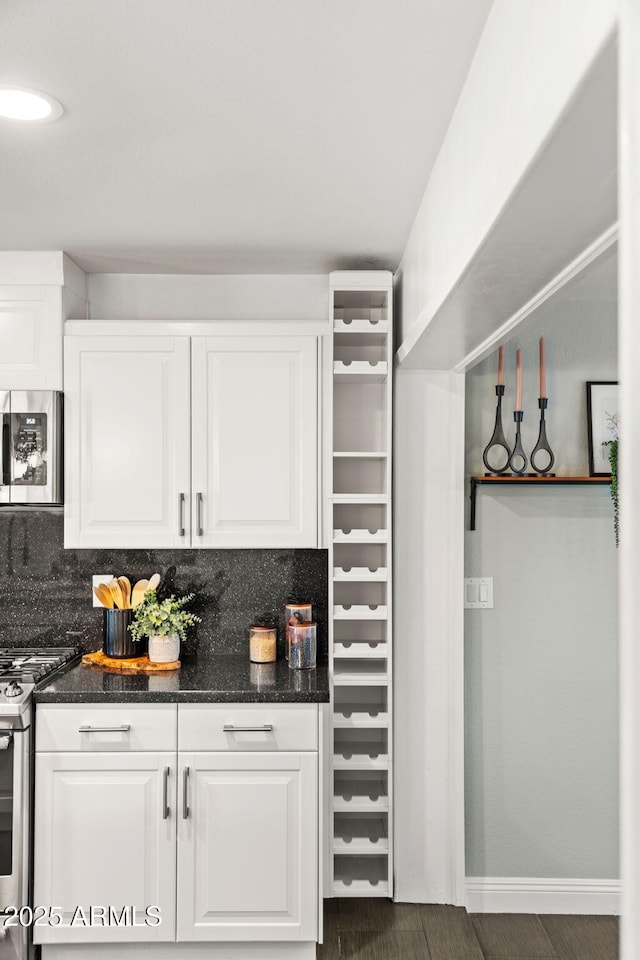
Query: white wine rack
{"points": [[358, 528]]}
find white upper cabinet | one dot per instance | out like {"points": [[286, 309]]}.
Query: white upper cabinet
{"points": [[38, 291], [254, 441], [127, 444], [30, 338], [172, 441]]}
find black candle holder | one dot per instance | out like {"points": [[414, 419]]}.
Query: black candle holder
{"points": [[518, 454], [542, 445], [498, 438]]}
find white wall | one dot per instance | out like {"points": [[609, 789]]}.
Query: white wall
{"points": [[530, 61], [541, 700], [228, 297], [427, 636]]}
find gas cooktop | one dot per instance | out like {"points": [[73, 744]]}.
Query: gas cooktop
{"points": [[33, 664], [23, 668]]}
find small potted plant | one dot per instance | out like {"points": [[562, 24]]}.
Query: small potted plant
{"points": [[165, 623]]}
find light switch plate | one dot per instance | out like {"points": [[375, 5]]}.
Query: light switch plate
{"points": [[95, 580], [478, 593]]}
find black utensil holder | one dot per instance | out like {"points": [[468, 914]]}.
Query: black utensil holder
{"points": [[117, 641]]}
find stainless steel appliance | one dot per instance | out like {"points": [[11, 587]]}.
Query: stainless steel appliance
{"points": [[21, 672], [31, 448]]}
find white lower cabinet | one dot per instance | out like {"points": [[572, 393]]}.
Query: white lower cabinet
{"points": [[105, 838], [114, 829], [247, 847]]}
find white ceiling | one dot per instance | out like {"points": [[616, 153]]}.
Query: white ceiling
{"points": [[228, 136]]}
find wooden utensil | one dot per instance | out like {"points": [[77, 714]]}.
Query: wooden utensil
{"points": [[116, 592], [103, 594], [125, 586], [138, 593], [154, 581]]}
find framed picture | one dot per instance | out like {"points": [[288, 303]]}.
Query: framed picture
{"points": [[602, 422]]}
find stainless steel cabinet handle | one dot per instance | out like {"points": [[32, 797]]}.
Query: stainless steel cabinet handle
{"points": [[165, 793], [232, 728], [185, 794], [123, 728], [199, 514], [181, 514]]}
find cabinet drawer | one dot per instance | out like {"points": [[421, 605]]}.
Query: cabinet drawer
{"points": [[114, 727], [286, 727]]}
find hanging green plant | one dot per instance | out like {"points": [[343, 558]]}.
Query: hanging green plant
{"points": [[613, 460], [613, 429]]}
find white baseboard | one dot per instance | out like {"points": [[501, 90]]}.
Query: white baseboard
{"points": [[542, 895]]}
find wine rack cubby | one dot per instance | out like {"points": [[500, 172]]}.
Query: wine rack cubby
{"points": [[359, 534]]}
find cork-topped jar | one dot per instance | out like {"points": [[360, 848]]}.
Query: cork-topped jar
{"points": [[295, 612], [262, 643]]}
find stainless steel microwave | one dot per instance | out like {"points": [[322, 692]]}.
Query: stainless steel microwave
{"points": [[31, 449]]}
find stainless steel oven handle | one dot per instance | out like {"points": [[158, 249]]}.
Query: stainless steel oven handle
{"points": [[122, 728], [14, 885], [232, 728]]}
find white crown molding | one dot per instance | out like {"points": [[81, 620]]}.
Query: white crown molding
{"points": [[542, 895], [198, 328]]}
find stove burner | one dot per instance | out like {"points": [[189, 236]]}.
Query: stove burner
{"points": [[31, 666]]}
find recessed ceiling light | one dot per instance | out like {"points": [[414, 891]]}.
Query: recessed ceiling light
{"points": [[18, 103]]}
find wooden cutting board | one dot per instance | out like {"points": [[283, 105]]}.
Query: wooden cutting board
{"points": [[134, 665]]}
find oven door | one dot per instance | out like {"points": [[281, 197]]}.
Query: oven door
{"points": [[14, 818], [14, 839]]}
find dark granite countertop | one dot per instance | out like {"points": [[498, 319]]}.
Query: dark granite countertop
{"points": [[221, 679]]}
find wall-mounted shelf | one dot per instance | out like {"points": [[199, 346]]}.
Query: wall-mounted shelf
{"points": [[539, 480]]}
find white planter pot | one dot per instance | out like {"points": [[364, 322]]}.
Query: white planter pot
{"points": [[164, 649]]}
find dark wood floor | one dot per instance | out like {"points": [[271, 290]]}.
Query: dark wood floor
{"points": [[377, 929]]}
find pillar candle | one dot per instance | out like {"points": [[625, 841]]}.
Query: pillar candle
{"points": [[543, 369], [518, 379], [501, 366]]}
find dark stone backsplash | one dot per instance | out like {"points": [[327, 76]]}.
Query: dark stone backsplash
{"points": [[45, 590]]}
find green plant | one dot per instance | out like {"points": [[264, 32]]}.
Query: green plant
{"points": [[613, 428], [162, 618], [613, 460]]}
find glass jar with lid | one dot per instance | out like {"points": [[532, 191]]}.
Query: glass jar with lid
{"points": [[302, 645], [262, 643], [295, 612]]}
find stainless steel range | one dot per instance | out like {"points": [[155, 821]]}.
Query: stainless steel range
{"points": [[22, 670]]}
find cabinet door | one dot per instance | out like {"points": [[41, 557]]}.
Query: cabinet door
{"points": [[104, 838], [254, 441], [248, 848], [127, 449], [30, 337]]}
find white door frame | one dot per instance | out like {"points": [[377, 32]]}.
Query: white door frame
{"points": [[629, 560]]}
